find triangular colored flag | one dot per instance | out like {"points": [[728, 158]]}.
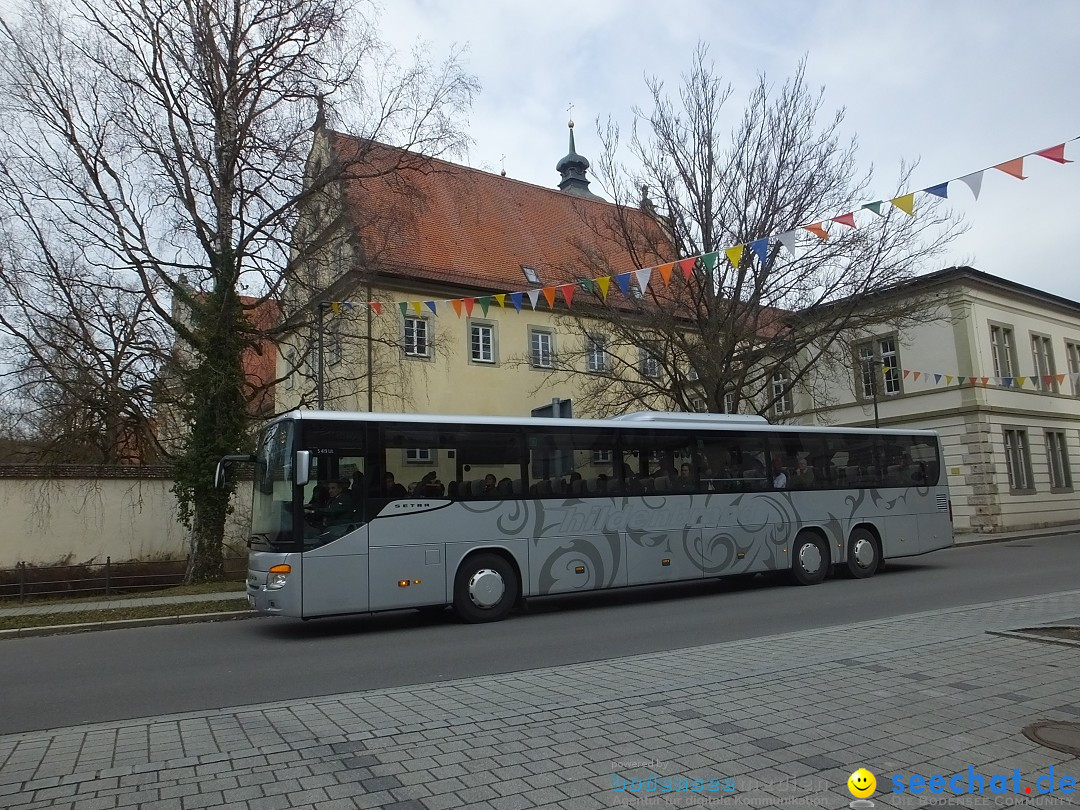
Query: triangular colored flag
{"points": [[567, 291], [1048, 379], [375, 305], [709, 260], [603, 283], [972, 380], [643, 277], [484, 302], [817, 230], [348, 306], [761, 248], [915, 376], [416, 307], [1007, 381], [623, 280], [906, 203], [1020, 382], [974, 182], [687, 267], [948, 379], [587, 285], [500, 299], [789, 240], [940, 190], [335, 307], [875, 207], [1055, 153], [1014, 167], [468, 303], [937, 379], [906, 372], [456, 304], [515, 299], [549, 296], [985, 381], [734, 255], [534, 296], [431, 306], [404, 306], [886, 369], [846, 219], [665, 272], [1061, 379]]}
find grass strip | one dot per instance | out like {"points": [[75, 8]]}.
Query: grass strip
{"points": [[117, 614], [176, 590]]}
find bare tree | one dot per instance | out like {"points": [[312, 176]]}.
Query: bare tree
{"points": [[746, 335], [168, 139]]}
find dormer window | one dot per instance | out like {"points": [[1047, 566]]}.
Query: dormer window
{"points": [[530, 274]]}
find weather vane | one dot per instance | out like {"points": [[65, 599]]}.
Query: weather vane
{"points": [[570, 110], [503, 159]]}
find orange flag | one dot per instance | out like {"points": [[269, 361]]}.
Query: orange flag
{"points": [[817, 230], [549, 296], [1015, 167], [456, 304], [665, 272]]}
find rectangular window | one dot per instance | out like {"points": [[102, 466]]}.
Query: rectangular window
{"points": [[657, 461], [418, 455], [650, 365], [416, 337], [879, 367], [541, 351], [571, 462], [1072, 357], [596, 353], [601, 457], [730, 403], [1018, 460], [1042, 356], [333, 343], [1003, 351], [699, 405], [1057, 458], [482, 343], [781, 391]]}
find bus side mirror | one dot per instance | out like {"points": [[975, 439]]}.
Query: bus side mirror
{"points": [[219, 475], [302, 468]]}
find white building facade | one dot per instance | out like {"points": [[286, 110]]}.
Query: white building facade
{"points": [[995, 369]]}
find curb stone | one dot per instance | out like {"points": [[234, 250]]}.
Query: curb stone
{"points": [[121, 624], [1065, 642]]}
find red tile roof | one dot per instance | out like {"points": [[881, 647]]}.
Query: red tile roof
{"points": [[453, 224]]}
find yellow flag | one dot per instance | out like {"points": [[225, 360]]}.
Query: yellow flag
{"points": [[500, 299], [416, 306], [948, 379], [603, 283], [335, 307], [734, 255], [906, 203], [1020, 382]]}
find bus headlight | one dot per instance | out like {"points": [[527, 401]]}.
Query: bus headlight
{"points": [[277, 576]]}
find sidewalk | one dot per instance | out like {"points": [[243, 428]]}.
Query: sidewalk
{"points": [[31, 609], [772, 722]]}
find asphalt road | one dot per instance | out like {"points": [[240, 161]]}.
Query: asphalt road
{"points": [[120, 674]]}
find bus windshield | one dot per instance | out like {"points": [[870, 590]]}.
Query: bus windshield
{"points": [[271, 506]]}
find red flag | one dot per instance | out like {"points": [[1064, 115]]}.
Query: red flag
{"points": [[567, 293], [469, 305], [687, 267], [1055, 153], [906, 372], [375, 305], [846, 219]]}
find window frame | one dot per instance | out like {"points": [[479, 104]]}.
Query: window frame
{"points": [[785, 404], [414, 455], [492, 327], [1057, 449], [1008, 338], [537, 332], [649, 364], [405, 346], [596, 350], [1018, 460], [882, 383], [1072, 363], [1043, 362]]}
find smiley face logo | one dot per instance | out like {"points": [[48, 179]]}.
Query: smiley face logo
{"points": [[861, 784]]}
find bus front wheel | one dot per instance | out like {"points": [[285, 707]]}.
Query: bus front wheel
{"points": [[485, 589], [863, 554], [809, 560]]}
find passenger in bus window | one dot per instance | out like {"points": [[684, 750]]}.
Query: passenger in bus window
{"points": [[686, 477], [394, 489], [505, 487], [488, 487], [779, 476], [803, 477]]}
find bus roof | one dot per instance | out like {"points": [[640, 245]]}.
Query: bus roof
{"points": [[660, 420]]}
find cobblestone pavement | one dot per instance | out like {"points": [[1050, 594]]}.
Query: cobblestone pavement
{"points": [[769, 722]]}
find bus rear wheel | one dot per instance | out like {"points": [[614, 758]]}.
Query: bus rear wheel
{"points": [[485, 589], [809, 559], [863, 554]]}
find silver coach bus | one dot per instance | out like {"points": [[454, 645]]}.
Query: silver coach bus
{"points": [[362, 512]]}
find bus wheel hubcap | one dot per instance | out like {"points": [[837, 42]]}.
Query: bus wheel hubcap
{"points": [[486, 588], [810, 558], [864, 553]]}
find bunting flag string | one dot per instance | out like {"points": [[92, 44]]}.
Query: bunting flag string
{"points": [[1035, 382], [736, 255]]}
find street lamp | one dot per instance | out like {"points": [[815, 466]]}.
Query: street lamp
{"points": [[878, 367], [319, 367]]}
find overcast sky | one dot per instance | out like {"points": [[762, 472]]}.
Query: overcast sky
{"points": [[957, 85]]}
